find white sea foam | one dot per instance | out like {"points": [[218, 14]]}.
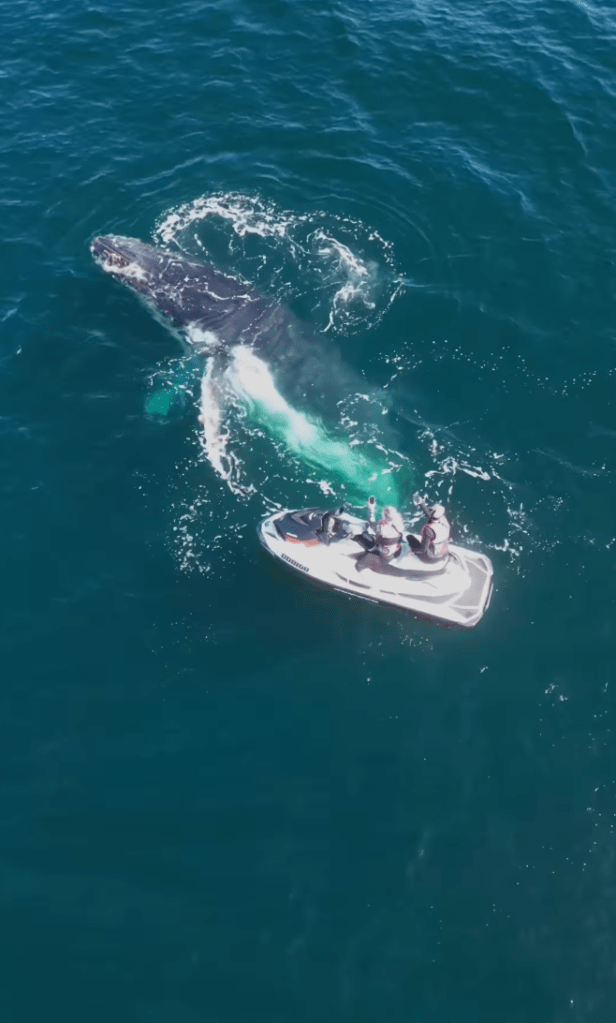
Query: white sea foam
{"points": [[345, 267], [245, 214], [206, 339]]}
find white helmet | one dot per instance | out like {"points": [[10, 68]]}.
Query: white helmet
{"points": [[437, 511]]}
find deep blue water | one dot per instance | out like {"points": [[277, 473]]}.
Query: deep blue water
{"points": [[226, 796]]}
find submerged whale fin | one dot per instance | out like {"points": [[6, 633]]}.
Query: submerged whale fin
{"points": [[172, 386]]}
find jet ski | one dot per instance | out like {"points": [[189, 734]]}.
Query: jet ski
{"points": [[337, 548]]}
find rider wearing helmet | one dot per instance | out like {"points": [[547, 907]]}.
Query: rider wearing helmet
{"points": [[435, 533]]}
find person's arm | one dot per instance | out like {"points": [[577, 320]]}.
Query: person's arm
{"points": [[368, 539], [427, 534]]}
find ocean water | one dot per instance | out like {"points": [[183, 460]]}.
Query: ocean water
{"points": [[227, 796]]}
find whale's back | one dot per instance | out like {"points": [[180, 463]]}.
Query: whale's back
{"points": [[190, 295]]}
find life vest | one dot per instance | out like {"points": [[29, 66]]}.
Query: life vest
{"points": [[437, 533], [388, 537]]}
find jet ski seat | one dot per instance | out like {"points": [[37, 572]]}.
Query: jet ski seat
{"points": [[401, 566]]}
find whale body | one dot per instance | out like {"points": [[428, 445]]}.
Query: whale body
{"points": [[217, 312], [293, 382], [188, 294]]}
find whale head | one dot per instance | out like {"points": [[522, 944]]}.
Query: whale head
{"points": [[190, 296], [126, 259]]}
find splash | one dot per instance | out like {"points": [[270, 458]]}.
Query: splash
{"points": [[346, 269]]}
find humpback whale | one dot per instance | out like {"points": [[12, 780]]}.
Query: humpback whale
{"points": [[216, 312], [229, 321], [190, 295]]}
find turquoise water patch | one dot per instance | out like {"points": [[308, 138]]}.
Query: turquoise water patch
{"points": [[354, 467], [353, 470], [172, 386]]}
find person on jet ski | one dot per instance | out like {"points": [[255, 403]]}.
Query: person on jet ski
{"points": [[435, 533], [389, 531]]}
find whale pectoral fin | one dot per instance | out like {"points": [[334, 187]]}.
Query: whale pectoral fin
{"points": [[159, 403], [212, 407], [212, 388]]}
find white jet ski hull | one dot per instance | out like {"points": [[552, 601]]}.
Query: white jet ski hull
{"points": [[455, 590]]}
